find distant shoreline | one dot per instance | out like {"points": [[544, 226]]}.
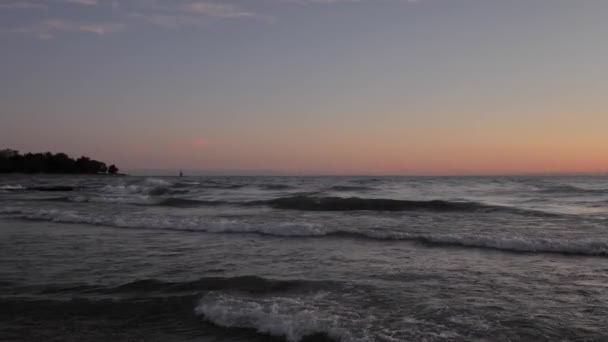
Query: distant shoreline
{"points": [[11, 161], [69, 174]]}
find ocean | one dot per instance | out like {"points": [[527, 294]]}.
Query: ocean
{"points": [[101, 258]]}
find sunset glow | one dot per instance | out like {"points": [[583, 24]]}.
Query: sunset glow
{"points": [[429, 87]]}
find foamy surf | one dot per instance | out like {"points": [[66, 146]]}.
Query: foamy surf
{"points": [[293, 318], [12, 187], [495, 241], [303, 258]]}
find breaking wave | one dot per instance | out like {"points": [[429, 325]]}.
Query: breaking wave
{"points": [[150, 186], [10, 187], [293, 310], [293, 318], [510, 243]]}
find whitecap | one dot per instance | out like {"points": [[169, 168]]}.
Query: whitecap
{"points": [[10, 187], [511, 243], [290, 317]]}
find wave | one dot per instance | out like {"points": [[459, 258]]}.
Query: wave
{"points": [[275, 186], [9, 187], [301, 202], [222, 186], [293, 305], [134, 190], [571, 189], [222, 315], [249, 284], [50, 188], [312, 203], [369, 180], [149, 186], [53, 188], [188, 224], [157, 182], [292, 318], [158, 192], [520, 244], [210, 184], [134, 199], [512, 243], [242, 284], [185, 184], [308, 203], [140, 191], [350, 188], [187, 202]]}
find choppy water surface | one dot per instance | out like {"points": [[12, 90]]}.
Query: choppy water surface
{"points": [[303, 258]]}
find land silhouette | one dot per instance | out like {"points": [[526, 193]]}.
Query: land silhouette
{"points": [[12, 161]]}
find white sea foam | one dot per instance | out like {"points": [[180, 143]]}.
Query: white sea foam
{"points": [[121, 189], [11, 187], [189, 183], [132, 199], [150, 186], [584, 246], [192, 223], [133, 189], [290, 317], [513, 243], [279, 229], [157, 182]]}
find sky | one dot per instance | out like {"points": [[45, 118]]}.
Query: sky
{"points": [[418, 87]]}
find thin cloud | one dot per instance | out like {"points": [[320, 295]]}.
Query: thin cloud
{"points": [[330, 2], [186, 13], [173, 14], [215, 10], [42, 4], [22, 5], [103, 28], [82, 2], [48, 29]]}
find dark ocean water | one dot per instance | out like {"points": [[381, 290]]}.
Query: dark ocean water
{"points": [[303, 259]]}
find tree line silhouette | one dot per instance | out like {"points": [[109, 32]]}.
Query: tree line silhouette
{"points": [[12, 161]]}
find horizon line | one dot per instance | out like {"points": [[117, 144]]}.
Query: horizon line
{"points": [[270, 173]]}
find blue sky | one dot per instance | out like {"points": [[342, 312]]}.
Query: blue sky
{"points": [[310, 86]]}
